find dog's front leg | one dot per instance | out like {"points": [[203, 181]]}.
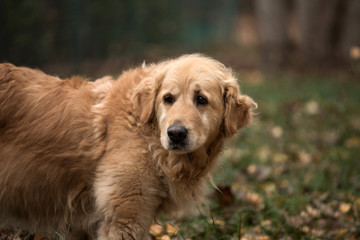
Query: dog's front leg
{"points": [[127, 199]]}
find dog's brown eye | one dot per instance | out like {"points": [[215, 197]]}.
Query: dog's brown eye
{"points": [[169, 99], [200, 100]]}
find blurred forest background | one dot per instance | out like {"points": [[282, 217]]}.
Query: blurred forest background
{"points": [[270, 33], [295, 172]]}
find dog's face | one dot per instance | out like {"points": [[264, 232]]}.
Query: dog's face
{"points": [[195, 100], [189, 106]]}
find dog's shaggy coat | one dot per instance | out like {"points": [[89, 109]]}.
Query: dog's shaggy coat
{"points": [[101, 160]]}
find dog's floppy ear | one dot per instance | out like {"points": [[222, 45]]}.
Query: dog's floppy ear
{"points": [[238, 108], [145, 96]]}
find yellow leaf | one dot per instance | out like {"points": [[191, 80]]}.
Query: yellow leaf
{"points": [[280, 158], [305, 229], [164, 237], [156, 229], [251, 169], [171, 230], [283, 184], [277, 132], [312, 211], [342, 232], [266, 223], [312, 108], [254, 198], [344, 207], [263, 153], [357, 205], [269, 188], [304, 157], [263, 237], [353, 142], [355, 52]]}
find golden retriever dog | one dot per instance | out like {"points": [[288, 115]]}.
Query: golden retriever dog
{"points": [[103, 159]]}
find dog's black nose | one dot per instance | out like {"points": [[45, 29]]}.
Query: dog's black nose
{"points": [[177, 133]]}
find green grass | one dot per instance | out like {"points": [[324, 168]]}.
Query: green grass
{"points": [[296, 171]]}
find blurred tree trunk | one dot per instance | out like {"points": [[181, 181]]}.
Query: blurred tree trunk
{"points": [[271, 17], [316, 19], [351, 31]]}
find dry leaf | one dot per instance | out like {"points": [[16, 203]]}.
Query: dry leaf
{"points": [[353, 142], [156, 229], [269, 188], [280, 158], [266, 223], [217, 222], [163, 237], [344, 207], [263, 153], [305, 229], [350, 238], [312, 211], [304, 157], [277, 132], [342, 232], [251, 169], [312, 107], [355, 53], [171, 229], [254, 198]]}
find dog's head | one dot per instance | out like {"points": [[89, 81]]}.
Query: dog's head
{"points": [[194, 100]]}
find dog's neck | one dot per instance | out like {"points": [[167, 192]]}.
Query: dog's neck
{"points": [[185, 175]]}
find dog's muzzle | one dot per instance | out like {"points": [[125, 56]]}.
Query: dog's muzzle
{"points": [[178, 137]]}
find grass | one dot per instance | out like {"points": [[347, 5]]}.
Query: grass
{"points": [[293, 174]]}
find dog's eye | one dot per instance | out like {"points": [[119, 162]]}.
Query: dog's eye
{"points": [[169, 99], [201, 100]]}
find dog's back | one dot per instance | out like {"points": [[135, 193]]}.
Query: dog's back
{"points": [[48, 148]]}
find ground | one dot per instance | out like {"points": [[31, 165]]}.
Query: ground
{"points": [[293, 174]]}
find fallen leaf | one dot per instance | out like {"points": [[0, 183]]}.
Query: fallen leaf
{"points": [[269, 188], [265, 223], [251, 169], [217, 222], [277, 132], [280, 158], [304, 157], [254, 198], [323, 208], [305, 229], [353, 142], [312, 107], [156, 229], [171, 229], [350, 238], [342, 232], [356, 206], [312, 211], [260, 173], [355, 53], [163, 237], [344, 207], [263, 153]]}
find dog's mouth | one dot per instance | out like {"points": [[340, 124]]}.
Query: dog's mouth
{"points": [[180, 148]]}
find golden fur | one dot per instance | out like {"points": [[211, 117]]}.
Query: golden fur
{"points": [[101, 160]]}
